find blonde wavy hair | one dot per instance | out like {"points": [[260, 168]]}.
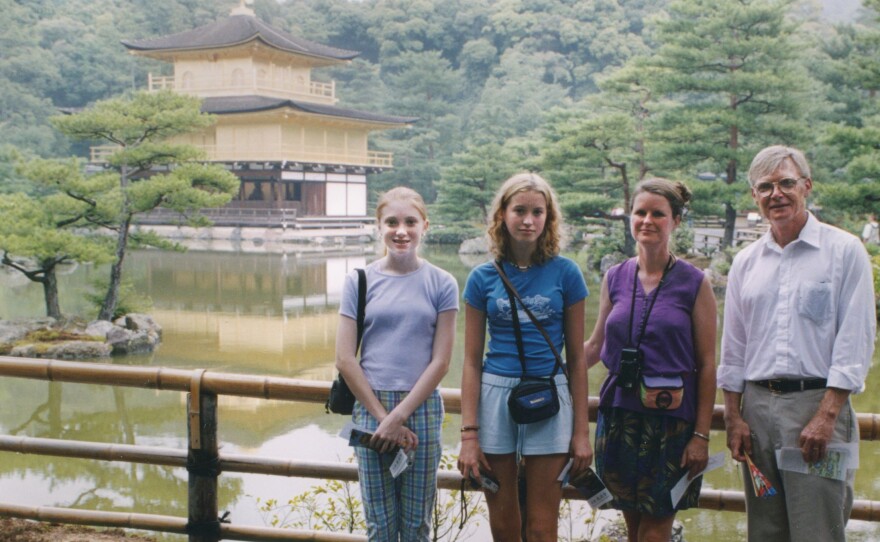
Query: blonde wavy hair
{"points": [[550, 240]]}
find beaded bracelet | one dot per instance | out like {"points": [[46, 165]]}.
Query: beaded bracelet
{"points": [[701, 435], [466, 428]]}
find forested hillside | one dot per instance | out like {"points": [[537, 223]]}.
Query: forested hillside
{"points": [[596, 93]]}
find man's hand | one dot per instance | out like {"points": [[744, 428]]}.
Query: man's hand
{"points": [[815, 437], [739, 437]]}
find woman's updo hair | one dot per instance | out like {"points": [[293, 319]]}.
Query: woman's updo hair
{"points": [[676, 193]]}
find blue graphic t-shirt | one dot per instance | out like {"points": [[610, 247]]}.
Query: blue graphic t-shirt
{"points": [[547, 290]]}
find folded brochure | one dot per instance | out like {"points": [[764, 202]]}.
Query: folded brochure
{"points": [[681, 486], [589, 485], [839, 458], [358, 436]]}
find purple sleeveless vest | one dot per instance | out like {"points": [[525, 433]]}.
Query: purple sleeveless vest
{"points": [[667, 344]]}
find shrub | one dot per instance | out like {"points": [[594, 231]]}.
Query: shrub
{"points": [[129, 299], [598, 246], [335, 506], [683, 240], [452, 235]]}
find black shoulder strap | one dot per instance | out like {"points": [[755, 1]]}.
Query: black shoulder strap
{"points": [[511, 292], [362, 306]]}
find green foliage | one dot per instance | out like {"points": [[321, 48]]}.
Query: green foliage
{"points": [[471, 70], [875, 264], [335, 506], [140, 126], [57, 335], [570, 520], [138, 123], [130, 300], [731, 69], [39, 234], [599, 246], [683, 240], [668, 88], [452, 235], [469, 183], [722, 264], [454, 508]]}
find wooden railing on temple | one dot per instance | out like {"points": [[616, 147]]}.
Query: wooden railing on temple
{"points": [[273, 153], [244, 84]]}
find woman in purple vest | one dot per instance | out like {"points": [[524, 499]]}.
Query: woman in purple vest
{"points": [[656, 335]]}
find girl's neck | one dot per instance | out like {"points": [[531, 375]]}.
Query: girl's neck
{"points": [[401, 265], [521, 255], [653, 260]]}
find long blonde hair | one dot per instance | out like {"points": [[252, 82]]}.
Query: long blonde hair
{"points": [[548, 243]]}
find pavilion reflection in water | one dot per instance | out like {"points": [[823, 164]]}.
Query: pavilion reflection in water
{"points": [[267, 312]]}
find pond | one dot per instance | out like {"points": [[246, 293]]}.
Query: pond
{"points": [[260, 311]]}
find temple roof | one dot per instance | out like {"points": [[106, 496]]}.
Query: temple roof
{"points": [[237, 30], [253, 104]]}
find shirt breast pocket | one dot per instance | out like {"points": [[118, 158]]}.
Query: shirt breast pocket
{"points": [[814, 301]]}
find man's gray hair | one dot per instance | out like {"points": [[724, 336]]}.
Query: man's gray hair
{"points": [[770, 158]]}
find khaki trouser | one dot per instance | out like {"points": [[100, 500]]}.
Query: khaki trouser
{"points": [[806, 507]]}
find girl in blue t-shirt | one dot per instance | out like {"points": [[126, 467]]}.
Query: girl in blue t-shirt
{"points": [[524, 230], [409, 327]]}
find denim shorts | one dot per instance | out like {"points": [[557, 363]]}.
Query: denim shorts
{"points": [[499, 434]]}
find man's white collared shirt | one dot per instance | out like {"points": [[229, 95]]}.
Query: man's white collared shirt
{"points": [[803, 311]]}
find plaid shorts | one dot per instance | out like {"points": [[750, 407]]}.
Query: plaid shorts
{"points": [[401, 508]]}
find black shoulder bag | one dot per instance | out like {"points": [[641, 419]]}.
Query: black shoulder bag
{"points": [[534, 398], [341, 399]]}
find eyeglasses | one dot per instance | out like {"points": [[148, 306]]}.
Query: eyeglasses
{"points": [[786, 186]]}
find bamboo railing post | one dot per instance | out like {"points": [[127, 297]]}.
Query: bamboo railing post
{"points": [[203, 463]]}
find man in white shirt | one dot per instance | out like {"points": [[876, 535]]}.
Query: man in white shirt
{"points": [[871, 231], [799, 327]]}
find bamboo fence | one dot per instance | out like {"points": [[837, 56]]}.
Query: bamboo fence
{"points": [[203, 387]]}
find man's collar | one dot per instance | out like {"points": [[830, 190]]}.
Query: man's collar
{"points": [[809, 234]]}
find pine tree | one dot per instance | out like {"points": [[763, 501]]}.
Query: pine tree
{"points": [[732, 67], [141, 128]]}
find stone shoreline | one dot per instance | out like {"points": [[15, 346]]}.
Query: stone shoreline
{"points": [[48, 338]]}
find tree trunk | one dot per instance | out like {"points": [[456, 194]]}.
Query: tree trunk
{"points": [[50, 293], [729, 224], [629, 243], [111, 299], [729, 209]]}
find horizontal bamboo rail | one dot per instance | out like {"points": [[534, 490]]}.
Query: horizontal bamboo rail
{"points": [[203, 388], [266, 387], [166, 524], [722, 500]]}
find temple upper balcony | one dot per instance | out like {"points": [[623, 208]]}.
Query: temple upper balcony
{"points": [[241, 82], [313, 154]]}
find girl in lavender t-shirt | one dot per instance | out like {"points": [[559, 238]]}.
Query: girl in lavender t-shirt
{"points": [[409, 328]]}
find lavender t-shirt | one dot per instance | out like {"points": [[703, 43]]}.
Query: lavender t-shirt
{"points": [[399, 321], [668, 341]]}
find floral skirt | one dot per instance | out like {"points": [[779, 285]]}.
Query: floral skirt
{"points": [[638, 457]]}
